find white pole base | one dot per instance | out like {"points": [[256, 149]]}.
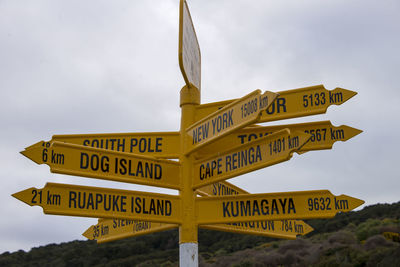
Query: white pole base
{"points": [[188, 255]]}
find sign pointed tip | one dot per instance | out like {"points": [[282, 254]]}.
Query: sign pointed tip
{"points": [[23, 152], [25, 195], [347, 203], [357, 202], [34, 152], [89, 233], [354, 132], [307, 229], [38, 144], [345, 93]]}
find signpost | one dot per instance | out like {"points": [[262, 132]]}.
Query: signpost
{"points": [[189, 49], [105, 164], [273, 206], [216, 141], [291, 104], [107, 230], [323, 136], [234, 116], [85, 201], [263, 152], [156, 144]]}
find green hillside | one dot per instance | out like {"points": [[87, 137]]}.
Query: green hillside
{"points": [[348, 239]]}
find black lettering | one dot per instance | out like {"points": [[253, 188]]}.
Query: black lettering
{"points": [[115, 203], [264, 207], [138, 208], [72, 199], [157, 171], [99, 199], [133, 144], [256, 209], [84, 161], [90, 201], [225, 209], [158, 144]]}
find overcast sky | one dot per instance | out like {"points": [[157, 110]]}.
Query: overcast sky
{"points": [[112, 66]]}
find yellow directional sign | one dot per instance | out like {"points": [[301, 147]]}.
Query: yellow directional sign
{"points": [[323, 136], [85, 201], [222, 188], [278, 229], [287, 229], [156, 144], [234, 116], [260, 153], [189, 49], [114, 229], [273, 206], [291, 103], [105, 164]]}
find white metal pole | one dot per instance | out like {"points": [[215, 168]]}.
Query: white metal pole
{"points": [[188, 255]]}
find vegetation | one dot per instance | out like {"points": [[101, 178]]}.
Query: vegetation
{"points": [[349, 239]]}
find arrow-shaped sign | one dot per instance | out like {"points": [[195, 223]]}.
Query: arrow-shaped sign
{"points": [[105, 164], [291, 103], [323, 136], [156, 144], [234, 116], [107, 230], [263, 152], [287, 229], [273, 206], [85, 201]]}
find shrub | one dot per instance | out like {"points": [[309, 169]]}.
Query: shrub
{"points": [[342, 237], [377, 241]]}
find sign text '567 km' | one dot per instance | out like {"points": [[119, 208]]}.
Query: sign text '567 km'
{"points": [[105, 164], [323, 136], [234, 116]]}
